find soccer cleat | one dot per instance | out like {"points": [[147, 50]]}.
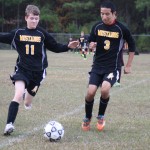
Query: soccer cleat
{"points": [[82, 55], [9, 129], [101, 123], [117, 84], [28, 107], [86, 124]]}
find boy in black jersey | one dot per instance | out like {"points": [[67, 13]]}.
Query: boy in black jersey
{"points": [[83, 45], [108, 37], [31, 44]]}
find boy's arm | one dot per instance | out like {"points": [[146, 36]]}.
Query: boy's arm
{"points": [[6, 38], [131, 47], [52, 45], [127, 68]]}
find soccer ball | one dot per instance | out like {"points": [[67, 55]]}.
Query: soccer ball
{"points": [[53, 131]]}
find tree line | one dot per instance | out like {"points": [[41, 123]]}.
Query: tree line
{"points": [[72, 16]]}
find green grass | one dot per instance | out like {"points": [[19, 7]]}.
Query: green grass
{"points": [[61, 98]]}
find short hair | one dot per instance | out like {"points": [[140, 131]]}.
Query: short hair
{"points": [[108, 4], [32, 9]]}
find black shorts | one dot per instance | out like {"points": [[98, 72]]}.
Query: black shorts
{"points": [[32, 79], [97, 79]]}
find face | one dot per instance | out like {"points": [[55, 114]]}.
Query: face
{"points": [[107, 16], [82, 33], [32, 21]]}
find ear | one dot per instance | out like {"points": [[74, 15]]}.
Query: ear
{"points": [[115, 13], [26, 18]]}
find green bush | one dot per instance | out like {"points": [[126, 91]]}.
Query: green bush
{"points": [[143, 43]]}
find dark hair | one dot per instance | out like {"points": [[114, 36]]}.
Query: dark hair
{"points": [[108, 4]]}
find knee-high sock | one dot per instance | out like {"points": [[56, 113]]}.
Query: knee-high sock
{"points": [[89, 108], [12, 112], [102, 106]]}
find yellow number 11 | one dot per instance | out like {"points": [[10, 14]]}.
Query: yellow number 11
{"points": [[28, 47]]}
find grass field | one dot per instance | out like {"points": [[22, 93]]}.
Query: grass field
{"points": [[61, 98]]}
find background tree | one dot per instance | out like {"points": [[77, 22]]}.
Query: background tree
{"points": [[144, 7], [74, 15], [50, 19], [79, 13]]}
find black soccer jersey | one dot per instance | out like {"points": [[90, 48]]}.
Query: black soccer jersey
{"points": [[83, 41], [110, 40], [31, 45]]}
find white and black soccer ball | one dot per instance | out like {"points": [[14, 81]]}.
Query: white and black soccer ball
{"points": [[53, 131]]}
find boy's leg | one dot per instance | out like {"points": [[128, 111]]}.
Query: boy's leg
{"points": [[105, 88], [33, 88], [28, 101], [29, 95], [89, 101], [109, 80], [14, 106]]}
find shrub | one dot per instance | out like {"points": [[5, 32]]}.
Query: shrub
{"points": [[143, 43]]}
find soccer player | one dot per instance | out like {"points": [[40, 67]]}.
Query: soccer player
{"points": [[108, 36], [30, 43], [83, 45]]}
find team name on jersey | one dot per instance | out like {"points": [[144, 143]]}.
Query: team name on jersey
{"points": [[108, 34], [30, 38]]}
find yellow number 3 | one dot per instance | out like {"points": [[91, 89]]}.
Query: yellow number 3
{"points": [[28, 48], [107, 44]]}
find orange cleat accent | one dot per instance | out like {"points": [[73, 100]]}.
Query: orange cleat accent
{"points": [[100, 124], [86, 124]]}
